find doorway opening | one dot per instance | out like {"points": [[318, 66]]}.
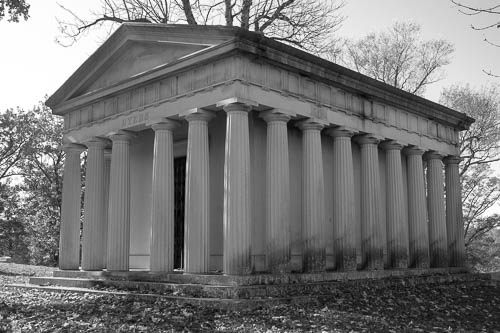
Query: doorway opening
{"points": [[179, 200]]}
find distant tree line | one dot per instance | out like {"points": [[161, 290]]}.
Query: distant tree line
{"points": [[31, 165]]}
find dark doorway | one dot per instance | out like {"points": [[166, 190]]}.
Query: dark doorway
{"points": [[179, 195]]}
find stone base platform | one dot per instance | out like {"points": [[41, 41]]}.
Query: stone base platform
{"points": [[251, 286], [255, 279]]}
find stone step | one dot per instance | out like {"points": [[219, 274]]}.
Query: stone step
{"points": [[219, 303], [257, 279], [246, 291], [164, 288]]}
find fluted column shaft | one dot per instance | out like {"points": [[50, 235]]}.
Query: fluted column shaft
{"points": [[69, 243], [372, 249], [344, 241], [93, 208], [197, 213], [313, 205], [119, 204], [277, 192], [107, 175], [162, 208], [397, 219], [454, 220], [438, 244], [236, 219], [417, 219]]}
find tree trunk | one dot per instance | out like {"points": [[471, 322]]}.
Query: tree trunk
{"points": [[245, 14], [229, 13], [188, 11]]}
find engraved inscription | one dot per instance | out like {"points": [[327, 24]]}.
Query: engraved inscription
{"points": [[135, 119]]}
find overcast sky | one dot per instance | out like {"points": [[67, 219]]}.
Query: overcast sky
{"points": [[34, 65]]}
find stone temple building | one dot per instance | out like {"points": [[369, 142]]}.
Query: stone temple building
{"points": [[214, 149]]}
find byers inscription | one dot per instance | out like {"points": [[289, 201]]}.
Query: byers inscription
{"points": [[135, 119]]}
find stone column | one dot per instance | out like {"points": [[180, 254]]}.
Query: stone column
{"points": [[277, 192], [313, 204], [162, 210], [397, 219], [438, 245], [344, 241], [69, 244], [119, 204], [454, 220], [107, 175], [237, 199], [372, 249], [417, 220], [197, 213], [93, 208]]}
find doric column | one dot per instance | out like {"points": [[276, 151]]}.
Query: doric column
{"points": [[69, 244], [107, 175], [197, 213], [397, 219], [313, 204], [119, 204], [417, 220], [277, 192], [93, 208], [237, 200], [372, 249], [438, 245], [454, 220], [162, 210], [344, 241]]}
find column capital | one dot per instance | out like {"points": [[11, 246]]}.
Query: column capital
{"points": [[432, 155], [237, 107], [163, 124], [69, 147], [391, 145], [452, 159], [310, 124], [237, 104], [366, 139], [273, 115], [96, 142], [121, 136], [341, 132], [413, 150], [198, 115]]}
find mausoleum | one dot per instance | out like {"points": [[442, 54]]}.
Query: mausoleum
{"points": [[215, 149]]}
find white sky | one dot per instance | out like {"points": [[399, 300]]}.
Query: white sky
{"points": [[34, 65]]}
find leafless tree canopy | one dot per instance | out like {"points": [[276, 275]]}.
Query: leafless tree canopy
{"points": [[399, 57], [303, 23]]}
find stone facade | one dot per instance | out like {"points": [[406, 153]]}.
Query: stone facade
{"points": [[293, 163]]}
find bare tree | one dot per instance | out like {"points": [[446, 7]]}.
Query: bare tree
{"points": [[479, 148], [473, 10], [491, 15], [399, 57], [304, 23]]}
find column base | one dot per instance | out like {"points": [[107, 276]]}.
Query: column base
{"points": [[314, 261], [346, 261]]}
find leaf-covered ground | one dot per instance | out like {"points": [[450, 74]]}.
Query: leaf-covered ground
{"points": [[453, 307]]}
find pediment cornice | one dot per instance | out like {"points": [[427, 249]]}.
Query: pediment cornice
{"points": [[139, 33]]}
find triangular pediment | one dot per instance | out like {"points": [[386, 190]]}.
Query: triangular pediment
{"points": [[135, 58], [136, 49]]}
